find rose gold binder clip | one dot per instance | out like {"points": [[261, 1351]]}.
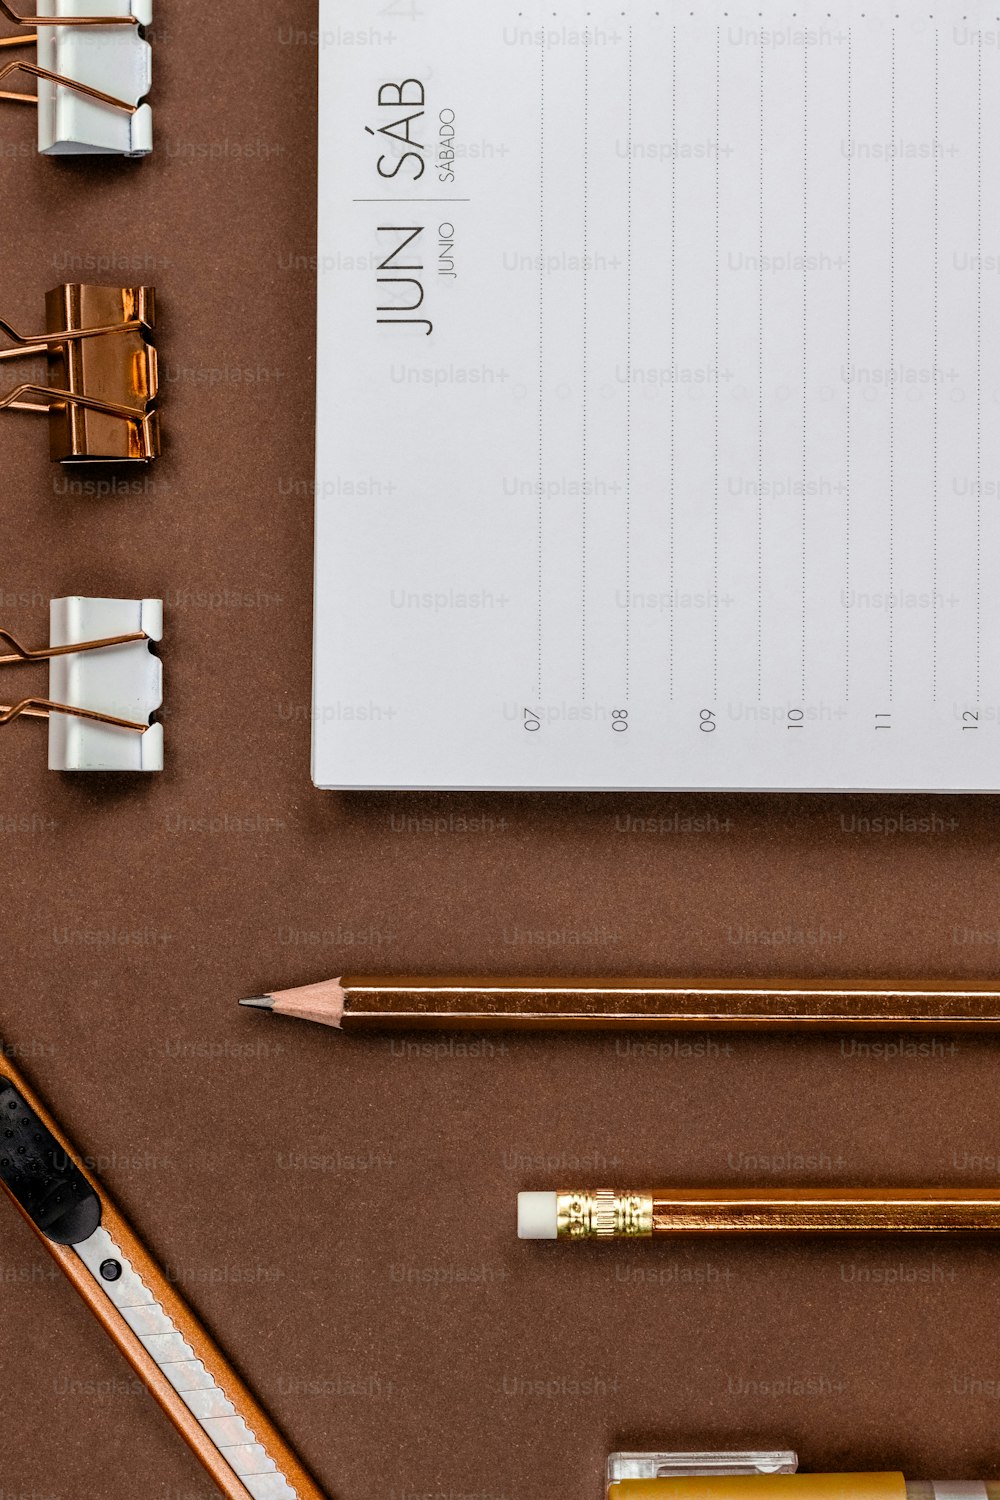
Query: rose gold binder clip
{"points": [[102, 392]]}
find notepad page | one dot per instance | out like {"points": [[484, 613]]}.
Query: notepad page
{"points": [[658, 437]]}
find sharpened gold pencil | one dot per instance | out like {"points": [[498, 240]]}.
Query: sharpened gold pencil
{"points": [[473, 1004]]}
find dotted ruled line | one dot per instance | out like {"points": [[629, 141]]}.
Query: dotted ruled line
{"points": [[541, 349], [628, 389], [892, 359], [805, 340], [847, 405], [715, 520], [760, 397], [934, 367], [673, 350], [586, 310], [979, 365]]}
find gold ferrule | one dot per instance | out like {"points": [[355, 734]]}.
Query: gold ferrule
{"points": [[604, 1215]]}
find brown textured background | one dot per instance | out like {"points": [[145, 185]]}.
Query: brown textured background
{"points": [[341, 1213]]}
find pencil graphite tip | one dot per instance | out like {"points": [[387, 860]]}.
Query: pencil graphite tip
{"points": [[259, 1002]]}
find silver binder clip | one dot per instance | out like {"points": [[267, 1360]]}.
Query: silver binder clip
{"points": [[92, 72], [104, 684]]}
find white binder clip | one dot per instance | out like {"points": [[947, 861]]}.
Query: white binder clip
{"points": [[93, 70], [104, 684]]}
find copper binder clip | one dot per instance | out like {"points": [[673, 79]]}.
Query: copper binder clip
{"points": [[106, 72], [103, 389]]}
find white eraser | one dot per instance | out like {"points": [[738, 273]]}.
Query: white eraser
{"points": [[536, 1216]]}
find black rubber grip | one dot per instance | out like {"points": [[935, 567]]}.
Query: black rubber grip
{"points": [[50, 1188]]}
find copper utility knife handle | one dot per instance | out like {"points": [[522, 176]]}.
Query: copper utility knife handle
{"points": [[164, 1343]]}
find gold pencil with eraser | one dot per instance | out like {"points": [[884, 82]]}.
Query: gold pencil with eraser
{"points": [[622, 1214]]}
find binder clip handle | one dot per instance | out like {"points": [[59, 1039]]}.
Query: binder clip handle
{"points": [[18, 20], [34, 71], [42, 708]]}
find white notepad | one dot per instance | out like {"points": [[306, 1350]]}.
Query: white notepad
{"points": [[658, 437]]}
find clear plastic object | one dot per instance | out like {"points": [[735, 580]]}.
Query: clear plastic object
{"points": [[680, 1465], [639, 1472]]}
